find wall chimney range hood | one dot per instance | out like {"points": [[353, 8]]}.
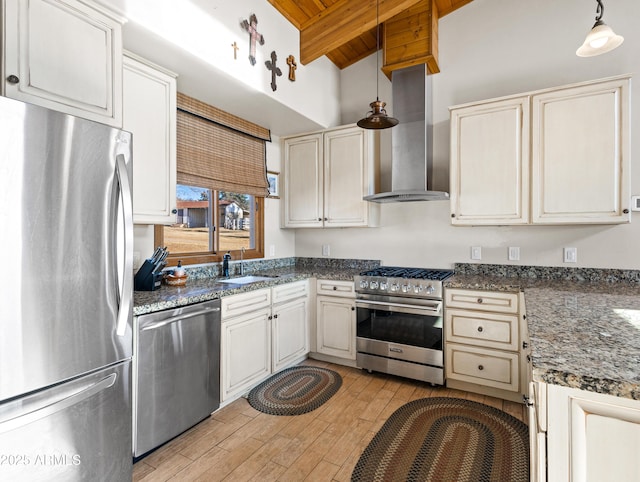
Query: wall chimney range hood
{"points": [[412, 155]]}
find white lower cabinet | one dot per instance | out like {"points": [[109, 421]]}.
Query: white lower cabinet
{"points": [[483, 339], [246, 342], [336, 319], [263, 331], [290, 326], [590, 436]]}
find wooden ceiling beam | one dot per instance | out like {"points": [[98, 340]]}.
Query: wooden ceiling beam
{"points": [[342, 22]]}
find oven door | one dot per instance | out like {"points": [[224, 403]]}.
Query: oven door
{"points": [[401, 331]]}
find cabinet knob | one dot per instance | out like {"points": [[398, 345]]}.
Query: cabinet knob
{"points": [[174, 211], [335, 288], [319, 219], [353, 308], [480, 329], [275, 316], [13, 79], [479, 300], [625, 211], [480, 367], [326, 219], [525, 345], [453, 215]]}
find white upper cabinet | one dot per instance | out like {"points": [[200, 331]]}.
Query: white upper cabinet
{"points": [[326, 176], [581, 154], [149, 112], [557, 156], [65, 55], [490, 163]]}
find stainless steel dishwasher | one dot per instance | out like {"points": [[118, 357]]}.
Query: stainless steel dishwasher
{"points": [[176, 372]]}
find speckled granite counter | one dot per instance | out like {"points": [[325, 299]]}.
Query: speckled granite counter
{"points": [[204, 283], [584, 324]]}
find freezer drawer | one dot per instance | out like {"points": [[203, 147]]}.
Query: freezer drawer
{"points": [[176, 372], [76, 431]]}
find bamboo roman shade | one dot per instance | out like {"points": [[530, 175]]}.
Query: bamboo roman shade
{"points": [[218, 150]]}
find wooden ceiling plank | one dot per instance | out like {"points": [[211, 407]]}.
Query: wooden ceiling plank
{"points": [[291, 11], [342, 22]]}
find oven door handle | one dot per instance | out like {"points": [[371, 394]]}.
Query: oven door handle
{"points": [[434, 308]]}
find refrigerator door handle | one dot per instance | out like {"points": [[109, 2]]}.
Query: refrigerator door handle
{"points": [[125, 295], [29, 411], [173, 319]]}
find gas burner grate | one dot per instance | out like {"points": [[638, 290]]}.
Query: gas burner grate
{"points": [[410, 273]]}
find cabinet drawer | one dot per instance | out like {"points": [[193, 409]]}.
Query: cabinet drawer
{"points": [[482, 300], [345, 289], [490, 330], [290, 291], [245, 302], [491, 368]]}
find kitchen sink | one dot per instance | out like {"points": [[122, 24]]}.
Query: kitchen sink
{"points": [[245, 280]]}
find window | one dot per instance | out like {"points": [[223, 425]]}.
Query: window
{"points": [[221, 186], [210, 223]]}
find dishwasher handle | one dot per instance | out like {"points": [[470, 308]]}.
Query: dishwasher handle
{"points": [[180, 317]]}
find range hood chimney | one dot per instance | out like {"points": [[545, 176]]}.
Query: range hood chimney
{"points": [[411, 139]]}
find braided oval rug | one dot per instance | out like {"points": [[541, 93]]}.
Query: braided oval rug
{"points": [[447, 439], [295, 390]]}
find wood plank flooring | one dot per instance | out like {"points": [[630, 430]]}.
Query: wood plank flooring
{"points": [[238, 443]]}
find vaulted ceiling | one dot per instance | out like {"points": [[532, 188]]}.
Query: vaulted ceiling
{"points": [[345, 30]]}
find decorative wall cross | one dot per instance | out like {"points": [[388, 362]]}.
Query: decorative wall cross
{"points": [[271, 65], [235, 50], [291, 62], [250, 26]]}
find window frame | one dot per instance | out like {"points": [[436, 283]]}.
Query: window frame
{"points": [[216, 257]]}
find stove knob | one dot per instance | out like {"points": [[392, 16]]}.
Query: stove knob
{"points": [[430, 289], [383, 285], [417, 289], [406, 288], [395, 287], [363, 283], [373, 285]]}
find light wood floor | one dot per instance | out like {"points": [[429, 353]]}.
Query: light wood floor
{"points": [[239, 443]]}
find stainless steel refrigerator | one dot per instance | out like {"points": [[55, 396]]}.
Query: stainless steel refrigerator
{"points": [[65, 297]]}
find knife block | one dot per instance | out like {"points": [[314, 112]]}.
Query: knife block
{"points": [[146, 278]]}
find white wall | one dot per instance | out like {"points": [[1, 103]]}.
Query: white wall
{"points": [[491, 48]]}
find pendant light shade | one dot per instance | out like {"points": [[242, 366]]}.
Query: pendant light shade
{"points": [[377, 117], [600, 39]]}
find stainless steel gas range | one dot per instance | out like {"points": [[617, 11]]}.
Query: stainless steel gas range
{"points": [[399, 322]]}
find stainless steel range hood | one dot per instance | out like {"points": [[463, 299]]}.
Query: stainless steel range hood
{"points": [[412, 153]]}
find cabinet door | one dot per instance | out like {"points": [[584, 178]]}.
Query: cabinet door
{"points": [[345, 177], [336, 327], [246, 352], [65, 55], [290, 332], [591, 436], [303, 179], [149, 112], [490, 163], [581, 154]]}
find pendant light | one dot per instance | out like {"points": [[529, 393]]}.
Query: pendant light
{"points": [[377, 117], [601, 39]]}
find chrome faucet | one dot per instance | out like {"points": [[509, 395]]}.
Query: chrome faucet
{"points": [[242, 261]]}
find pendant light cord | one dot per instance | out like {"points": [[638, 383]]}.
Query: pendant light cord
{"points": [[378, 48], [599, 11]]}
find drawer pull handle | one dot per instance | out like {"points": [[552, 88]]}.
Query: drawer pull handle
{"points": [[395, 350], [335, 288], [480, 329], [479, 300], [480, 367]]}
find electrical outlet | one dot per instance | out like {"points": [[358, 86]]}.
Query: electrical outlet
{"points": [[570, 255], [136, 259], [476, 252], [514, 253], [272, 250], [326, 250]]}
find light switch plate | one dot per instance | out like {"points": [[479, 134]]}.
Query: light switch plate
{"points": [[326, 250], [635, 203], [476, 252]]}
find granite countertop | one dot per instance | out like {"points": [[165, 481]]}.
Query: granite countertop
{"points": [[584, 331], [204, 289]]}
